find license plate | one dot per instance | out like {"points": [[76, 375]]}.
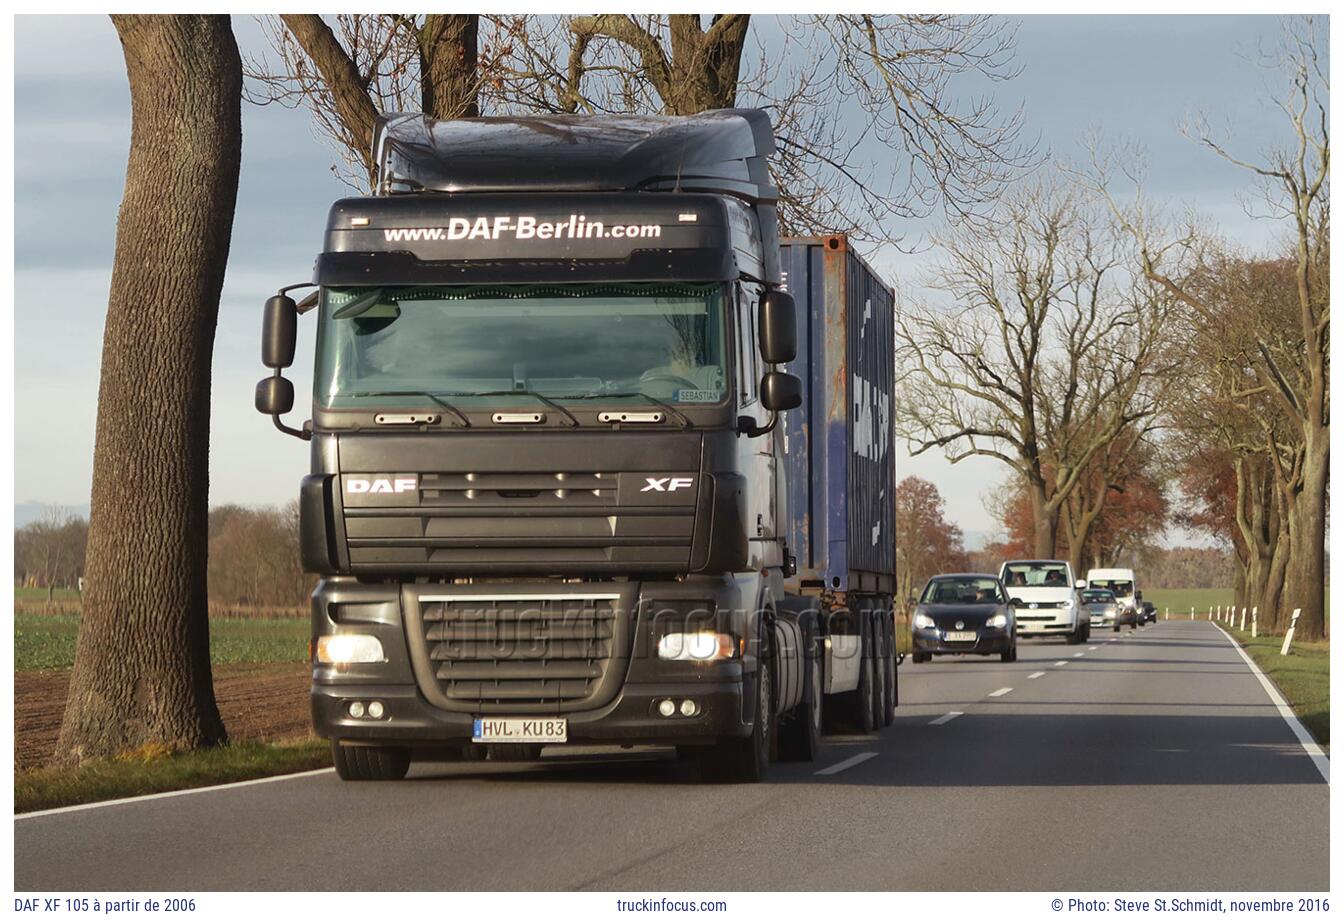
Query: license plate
{"points": [[521, 731], [951, 636]]}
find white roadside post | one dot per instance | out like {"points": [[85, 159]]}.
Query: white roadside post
{"points": [[1243, 620], [1166, 613], [1255, 611], [1192, 613], [1288, 639]]}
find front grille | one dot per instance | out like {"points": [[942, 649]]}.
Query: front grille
{"points": [[514, 654], [1035, 618]]}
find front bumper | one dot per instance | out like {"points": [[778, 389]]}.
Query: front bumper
{"points": [[1060, 624], [626, 716], [987, 642]]}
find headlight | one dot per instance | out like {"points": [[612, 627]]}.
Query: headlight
{"points": [[697, 646], [924, 621], [997, 621], [1068, 604], [348, 649]]}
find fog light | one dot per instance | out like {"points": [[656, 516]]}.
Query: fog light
{"points": [[667, 708], [375, 710], [357, 710], [688, 708]]}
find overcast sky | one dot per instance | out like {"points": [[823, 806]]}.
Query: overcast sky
{"points": [[1133, 77]]}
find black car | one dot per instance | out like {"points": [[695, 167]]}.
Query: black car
{"points": [[964, 614]]}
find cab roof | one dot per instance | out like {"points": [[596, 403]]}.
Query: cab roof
{"points": [[723, 151]]}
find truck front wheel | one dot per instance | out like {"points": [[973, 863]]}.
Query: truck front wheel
{"points": [[358, 763], [745, 760], [800, 733]]}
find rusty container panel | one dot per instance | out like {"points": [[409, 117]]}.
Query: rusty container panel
{"points": [[838, 444]]}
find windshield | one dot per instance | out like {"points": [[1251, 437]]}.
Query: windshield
{"points": [[1036, 575], [1118, 588], [1098, 597], [395, 345], [962, 591]]}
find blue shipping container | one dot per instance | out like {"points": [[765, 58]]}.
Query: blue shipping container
{"points": [[838, 444]]}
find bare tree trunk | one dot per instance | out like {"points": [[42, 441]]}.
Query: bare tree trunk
{"points": [[448, 79], [1044, 520], [142, 663], [1304, 578]]}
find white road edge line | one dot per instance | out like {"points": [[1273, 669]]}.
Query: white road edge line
{"points": [[168, 795], [943, 720], [1001, 691], [1304, 738], [1036, 675], [846, 763]]}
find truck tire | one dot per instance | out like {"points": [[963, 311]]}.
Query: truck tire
{"points": [[800, 732], [889, 668], [856, 707], [357, 763], [745, 760]]}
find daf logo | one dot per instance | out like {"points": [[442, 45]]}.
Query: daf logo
{"points": [[666, 484], [379, 486], [960, 624]]}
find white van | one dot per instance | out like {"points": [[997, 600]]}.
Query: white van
{"points": [[1119, 582], [1045, 599]]}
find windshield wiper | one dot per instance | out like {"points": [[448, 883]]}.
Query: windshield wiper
{"points": [[573, 419], [672, 410], [433, 397]]}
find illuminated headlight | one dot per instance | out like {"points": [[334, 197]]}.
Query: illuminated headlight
{"points": [[997, 621], [924, 621], [697, 646], [348, 649]]}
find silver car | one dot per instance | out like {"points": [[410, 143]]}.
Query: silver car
{"points": [[1102, 608]]}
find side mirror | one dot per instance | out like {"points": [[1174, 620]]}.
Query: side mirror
{"points": [[777, 327], [781, 392], [1080, 584], [279, 330], [275, 396]]}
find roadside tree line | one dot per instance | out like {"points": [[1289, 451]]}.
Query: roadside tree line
{"points": [[1100, 347], [254, 556]]}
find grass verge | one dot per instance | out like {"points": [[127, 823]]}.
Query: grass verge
{"points": [[1302, 676], [150, 770], [43, 641]]}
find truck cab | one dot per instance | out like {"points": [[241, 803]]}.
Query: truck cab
{"points": [[1046, 599], [546, 499]]}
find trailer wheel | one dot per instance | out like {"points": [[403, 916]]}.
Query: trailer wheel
{"points": [[859, 705], [745, 760], [800, 733], [357, 763], [888, 668]]}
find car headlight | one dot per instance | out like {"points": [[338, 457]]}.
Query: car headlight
{"points": [[348, 649], [1068, 604], [924, 621], [697, 646], [997, 621]]}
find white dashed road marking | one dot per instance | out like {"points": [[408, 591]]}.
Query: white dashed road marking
{"points": [[1060, 664], [1036, 675], [847, 763], [1001, 691], [1077, 654], [943, 720]]}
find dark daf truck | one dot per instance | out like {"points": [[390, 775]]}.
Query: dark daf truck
{"points": [[551, 498]]}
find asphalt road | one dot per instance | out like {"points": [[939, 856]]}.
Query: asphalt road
{"points": [[1154, 761]]}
